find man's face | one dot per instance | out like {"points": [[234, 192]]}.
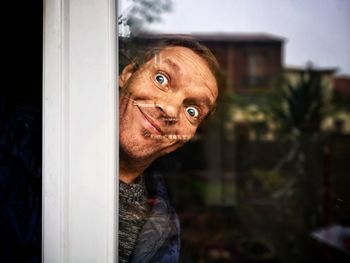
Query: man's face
{"points": [[162, 103]]}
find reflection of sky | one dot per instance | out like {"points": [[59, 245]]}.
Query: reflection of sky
{"points": [[317, 30]]}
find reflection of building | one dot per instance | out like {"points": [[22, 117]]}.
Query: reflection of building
{"points": [[341, 95], [251, 64], [342, 85], [249, 61]]}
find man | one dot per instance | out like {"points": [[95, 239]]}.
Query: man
{"points": [[164, 96]]}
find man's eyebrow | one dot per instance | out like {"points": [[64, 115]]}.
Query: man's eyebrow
{"points": [[172, 64], [203, 101]]}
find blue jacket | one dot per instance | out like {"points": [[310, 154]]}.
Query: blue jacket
{"points": [[159, 239]]}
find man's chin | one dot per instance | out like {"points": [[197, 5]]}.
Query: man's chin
{"points": [[149, 148]]}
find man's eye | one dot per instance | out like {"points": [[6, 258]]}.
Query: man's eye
{"points": [[161, 79], [192, 111]]}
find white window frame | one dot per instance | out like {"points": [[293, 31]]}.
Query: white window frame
{"points": [[80, 134]]}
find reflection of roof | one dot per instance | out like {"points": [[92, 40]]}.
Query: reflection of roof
{"points": [[296, 69], [239, 37], [223, 37]]}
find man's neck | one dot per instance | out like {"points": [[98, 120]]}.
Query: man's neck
{"points": [[130, 170], [128, 176]]}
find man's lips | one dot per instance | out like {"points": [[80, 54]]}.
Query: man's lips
{"points": [[159, 133], [151, 123]]}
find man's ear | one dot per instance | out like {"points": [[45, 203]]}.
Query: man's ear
{"points": [[125, 75]]}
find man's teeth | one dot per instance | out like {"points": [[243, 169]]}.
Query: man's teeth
{"points": [[156, 136], [169, 137]]}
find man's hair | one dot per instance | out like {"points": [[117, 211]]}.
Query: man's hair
{"points": [[139, 50]]}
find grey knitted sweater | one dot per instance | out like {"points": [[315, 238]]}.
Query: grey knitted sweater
{"points": [[133, 213]]}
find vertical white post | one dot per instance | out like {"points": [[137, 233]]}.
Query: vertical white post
{"points": [[80, 153]]}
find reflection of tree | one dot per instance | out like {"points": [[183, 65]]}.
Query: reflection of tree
{"points": [[298, 109], [300, 106], [143, 11]]}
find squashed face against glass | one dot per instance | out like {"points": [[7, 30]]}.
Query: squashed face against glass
{"points": [[163, 103]]}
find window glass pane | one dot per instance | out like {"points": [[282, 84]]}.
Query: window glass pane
{"points": [[264, 177]]}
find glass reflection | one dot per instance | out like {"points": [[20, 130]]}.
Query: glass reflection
{"points": [[264, 178]]}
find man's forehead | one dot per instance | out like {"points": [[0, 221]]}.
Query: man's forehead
{"points": [[170, 62], [174, 55]]}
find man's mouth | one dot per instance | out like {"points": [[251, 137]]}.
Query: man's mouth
{"points": [[151, 124], [155, 131], [171, 137]]}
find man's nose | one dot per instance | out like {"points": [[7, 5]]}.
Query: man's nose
{"points": [[170, 111]]}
